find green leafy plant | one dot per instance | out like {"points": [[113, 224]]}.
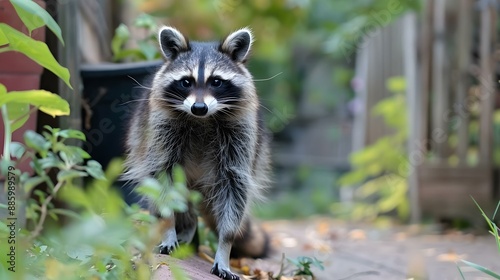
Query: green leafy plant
{"points": [[304, 264], [493, 231], [15, 105], [51, 152], [380, 170], [147, 47], [103, 237], [302, 269]]}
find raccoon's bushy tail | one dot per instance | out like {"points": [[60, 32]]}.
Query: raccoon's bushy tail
{"points": [[253, 242]]}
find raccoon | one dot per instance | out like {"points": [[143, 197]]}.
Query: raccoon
{"points": [[203, 113]]}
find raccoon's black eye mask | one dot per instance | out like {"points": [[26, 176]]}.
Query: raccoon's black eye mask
{"points": [[215, 82]]}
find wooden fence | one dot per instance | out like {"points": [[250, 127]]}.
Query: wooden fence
{"points": [[453, 128]]}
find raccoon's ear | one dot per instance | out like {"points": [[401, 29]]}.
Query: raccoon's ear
{"points": [[172, 42], [237, 45]]}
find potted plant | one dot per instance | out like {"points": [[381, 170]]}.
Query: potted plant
{"points": [[110, 88]]}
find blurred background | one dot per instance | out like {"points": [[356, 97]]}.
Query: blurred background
{"points": [[379, 109]]}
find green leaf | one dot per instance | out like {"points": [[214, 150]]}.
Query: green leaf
{"points": [[145, 21], [135, 54], [34, 16], [178, 175], [149, 187], [482, 269], [76, 196], [31, 183], [18, 114], [65, 175], [183, 252], [147, 49], [17, 150], [48, 102], [80, 252], [396, 84], [94, 169], [122, 34], [66, 212], [50, 161], [461, 273], [3, 39], [79, 151], [19, 122], [35, 50], [71, 133], [36, 141]]}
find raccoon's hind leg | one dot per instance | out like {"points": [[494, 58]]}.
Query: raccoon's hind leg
{"points": [[224, 212]]}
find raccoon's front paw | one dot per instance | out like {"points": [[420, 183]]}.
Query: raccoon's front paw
{"points": [[168, 243], [167, 248], [223, 273]]}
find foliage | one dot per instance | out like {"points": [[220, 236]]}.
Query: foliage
{"points": [[33, 16], [493, 231], [381, 168], [102, 236], [304, 264], [15, 105], [354, 21], [147, 47], [51, 152], [301, 270]]}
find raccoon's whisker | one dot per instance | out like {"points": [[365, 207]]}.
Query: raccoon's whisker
{"points": [[232, 99], [167, 99], [146, 99], [267, 79], [135, 100], [227, 112], [239, 100], [229, 105], [174, 94], [267, 109], [141, 85]]}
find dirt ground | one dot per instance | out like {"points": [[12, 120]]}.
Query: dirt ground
{"points": [[363, 252]]}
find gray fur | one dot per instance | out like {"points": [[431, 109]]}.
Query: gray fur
{"points": [[225, 154]]}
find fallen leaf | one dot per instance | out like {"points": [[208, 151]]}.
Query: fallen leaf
{"points": [[323, 228], [357, 234], [450, 257]]}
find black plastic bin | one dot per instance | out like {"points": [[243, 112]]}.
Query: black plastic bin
{"points": [[109, 91]]}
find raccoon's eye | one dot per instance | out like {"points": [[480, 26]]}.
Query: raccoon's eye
{"points": [[186, 83], [216, 83]]}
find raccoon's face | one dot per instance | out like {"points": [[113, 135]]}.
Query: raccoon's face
{"points": [[202, 78]]}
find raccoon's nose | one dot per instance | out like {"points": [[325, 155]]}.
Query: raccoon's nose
{"points": [[199, 109]]}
